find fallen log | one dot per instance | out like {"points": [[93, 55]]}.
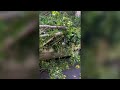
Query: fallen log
{"points": [[46, 35], [52, 56], [52, 27]]}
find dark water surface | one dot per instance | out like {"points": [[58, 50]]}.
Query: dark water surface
{"points": [[71, 73]]}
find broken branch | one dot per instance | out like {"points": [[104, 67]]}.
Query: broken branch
{"points": [[56, 34], [52, 27], [52, 55], [52, 39]]}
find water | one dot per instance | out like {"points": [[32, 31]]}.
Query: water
{"points": [[71, 73]]}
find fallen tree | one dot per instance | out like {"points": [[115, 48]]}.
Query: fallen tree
{"points": [[54, 38], [52, 55], [52, 27], [56, 34]]}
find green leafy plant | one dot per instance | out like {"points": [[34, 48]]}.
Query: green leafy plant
{"points": [[66, 45]]}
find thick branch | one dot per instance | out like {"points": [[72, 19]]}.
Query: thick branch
{"points": [[52, 55], [56, 34], [52, 27], [44, 35], [52, 39]]}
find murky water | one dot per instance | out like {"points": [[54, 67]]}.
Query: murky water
{"points": [[71, 73]]}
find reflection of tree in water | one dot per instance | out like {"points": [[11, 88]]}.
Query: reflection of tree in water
{"points": [[18, 44]]}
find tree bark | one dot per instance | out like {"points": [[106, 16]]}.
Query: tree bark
{"points": [[46, 35], [52, 27], [52, 55]]}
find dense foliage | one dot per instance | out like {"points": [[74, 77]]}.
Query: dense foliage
{"points": [[100, 41], [66, 45]]}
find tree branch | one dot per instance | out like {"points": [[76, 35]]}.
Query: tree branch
{"points": [[52, 55], [56, 34], [52, 39], [52, 27]]}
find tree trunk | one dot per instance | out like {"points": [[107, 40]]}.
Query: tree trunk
{"points": [[52, 27], [52, 55]]}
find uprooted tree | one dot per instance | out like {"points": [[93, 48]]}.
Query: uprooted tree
{"points": [[59, 38]]}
